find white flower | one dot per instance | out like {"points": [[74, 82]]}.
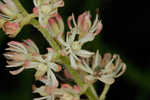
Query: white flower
{"points": [[84, 27], [78, 36], [106, 69], [21, 54], [26, 54], [72, 48], [47, 9], [46, 66]]}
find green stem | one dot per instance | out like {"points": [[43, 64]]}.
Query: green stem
{"points": [[93, 90], [105, 90], [27, 19], [20, 7], [46, 34], [91, 94]]}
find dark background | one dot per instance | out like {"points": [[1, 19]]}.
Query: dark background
{"points": [[128, 36]]}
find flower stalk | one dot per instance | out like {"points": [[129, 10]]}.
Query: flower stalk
{"points": [[104, 93], [45, 33]]}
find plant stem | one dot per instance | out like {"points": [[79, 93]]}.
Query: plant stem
{"points": [[105, 90], [20, 7], [26, 20], [46, 34]]}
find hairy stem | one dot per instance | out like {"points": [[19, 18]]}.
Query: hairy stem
{"points": [[105, 90]]}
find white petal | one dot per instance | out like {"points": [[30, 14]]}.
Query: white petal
{"points": [[84, 53], [17, 71], [32, 46], [51, 97], [41, 98], [41, 91], [73, 62], [32, 65], [107, 80], [95, 22], [54, 66], [96, 60], [52, 79], [90, 77], [36, 2], [19, 46], [123, 69], [109, 64], [15, 64], [88, 37], [86, 68], [15, 50], [11, 5]]}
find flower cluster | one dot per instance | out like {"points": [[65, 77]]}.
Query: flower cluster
{"points": [[26, 55], [10, 18]]}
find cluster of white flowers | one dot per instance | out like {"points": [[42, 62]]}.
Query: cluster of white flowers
{"points": [[26, 54]]}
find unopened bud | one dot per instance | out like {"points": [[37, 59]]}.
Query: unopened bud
{"points": [[11, 28], [84, 22], [56, 25], [35, 10]]}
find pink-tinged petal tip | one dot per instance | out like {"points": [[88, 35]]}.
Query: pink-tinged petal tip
{"points": [[35, 10], [17, 71]]}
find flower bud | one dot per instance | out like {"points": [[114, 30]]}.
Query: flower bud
{"points": [[55, 25], [77, 88], [11, 28], [35, 10], [84, 22]]}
